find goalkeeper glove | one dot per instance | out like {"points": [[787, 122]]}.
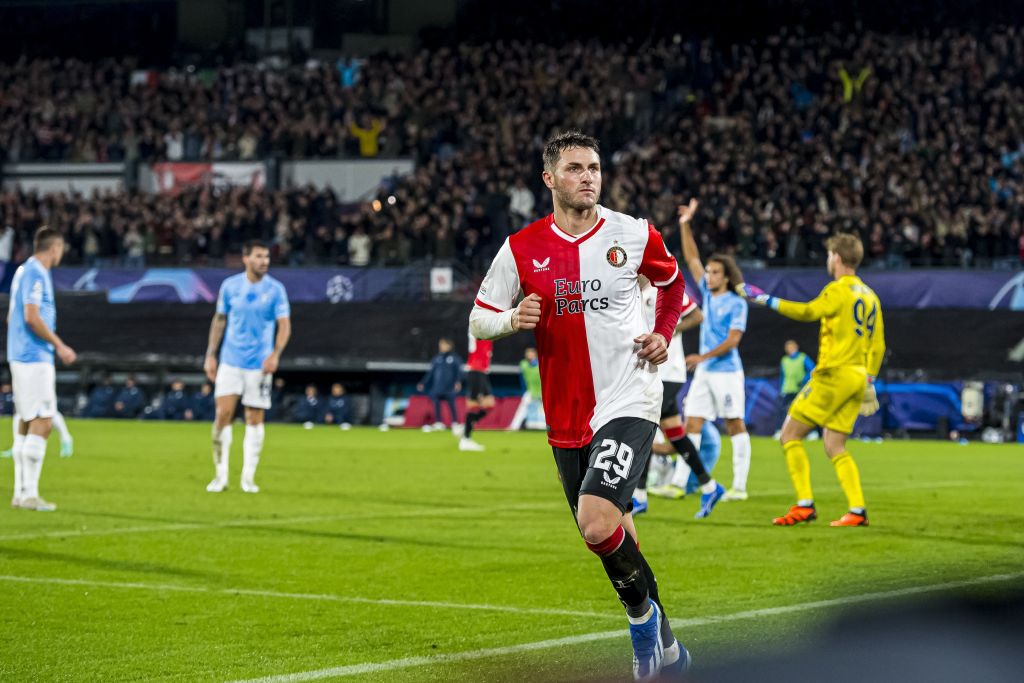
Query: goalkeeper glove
{"points": [[757, 295], [869, 404]]}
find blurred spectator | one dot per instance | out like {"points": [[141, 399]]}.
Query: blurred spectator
{"points": [[130, 401], [278, 401], [6, 399], [309, 408], [443, 381], [177, 405], [203, 405], [101, 400], [338, 410]]}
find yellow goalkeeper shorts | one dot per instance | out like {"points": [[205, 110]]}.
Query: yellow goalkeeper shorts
{"points": [[831, 398]]}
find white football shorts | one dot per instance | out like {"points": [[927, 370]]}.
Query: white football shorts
{"points": [[716, 394], [35, 389], [252, 385]]}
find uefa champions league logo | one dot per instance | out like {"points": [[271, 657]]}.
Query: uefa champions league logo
{"points": [[340, 288], [1014, 289]]}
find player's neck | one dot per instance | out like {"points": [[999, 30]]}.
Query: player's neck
{"points": [[843, 271], [44, 259], [575, 222], [253, 277]]}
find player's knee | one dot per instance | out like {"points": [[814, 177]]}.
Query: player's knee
{"points": [[596, 529]]}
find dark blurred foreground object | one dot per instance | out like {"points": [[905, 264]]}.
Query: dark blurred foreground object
{"points": [[934, 641]]}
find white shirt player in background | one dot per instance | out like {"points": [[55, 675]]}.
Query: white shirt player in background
{"points": [[673, 376], [717, 390], [32, 342], [250, 306]]}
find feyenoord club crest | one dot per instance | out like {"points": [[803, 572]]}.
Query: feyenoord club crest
{"points": [[616, 256]]}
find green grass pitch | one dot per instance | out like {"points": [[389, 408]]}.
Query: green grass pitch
{"points": [[365, 548]]}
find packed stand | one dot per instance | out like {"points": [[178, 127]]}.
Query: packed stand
{"points": [[915, 142]]}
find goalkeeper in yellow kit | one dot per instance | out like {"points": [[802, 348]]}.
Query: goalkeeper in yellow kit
{"points": [[850, 349]]}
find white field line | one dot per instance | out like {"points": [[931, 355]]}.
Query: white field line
{"points": [[274, 521], [409, 662], [325, 597], [434, 512]]}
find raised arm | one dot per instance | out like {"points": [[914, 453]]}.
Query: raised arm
{"points": [[824, 305], [690, 254]]}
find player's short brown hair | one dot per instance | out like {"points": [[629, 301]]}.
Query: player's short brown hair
{"points": [[732, 271], [849, 248], [249, 245], [567, 139], [45, 237]]}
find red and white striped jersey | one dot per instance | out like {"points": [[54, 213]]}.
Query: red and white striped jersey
{"points": [[674, 369], [480, 352], [590, 314]]}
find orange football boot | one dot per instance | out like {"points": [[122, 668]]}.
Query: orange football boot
{"points": [[851, 519], [796, 514]]}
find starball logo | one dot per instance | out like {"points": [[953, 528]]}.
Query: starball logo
{"points": [[565, 288]]}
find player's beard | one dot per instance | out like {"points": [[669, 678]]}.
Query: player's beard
{"points": [[568, 201]]}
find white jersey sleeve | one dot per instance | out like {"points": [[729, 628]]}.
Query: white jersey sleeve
{"points": [[500, 288]]}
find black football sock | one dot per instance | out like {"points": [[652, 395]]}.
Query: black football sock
{"points": [[690, 456], [667, 637], [624, 566], [472, 419]]}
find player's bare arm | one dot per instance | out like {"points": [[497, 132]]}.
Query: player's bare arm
{"points": [[690, 253], [39, 327], [284, 333], [653, 348], [691, 321], [730, 343], [217, 326]]}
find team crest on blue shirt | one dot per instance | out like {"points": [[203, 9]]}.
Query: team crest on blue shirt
{"points": [[616, 256]]}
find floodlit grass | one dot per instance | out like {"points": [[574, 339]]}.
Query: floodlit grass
{"points": [[143, 575]]}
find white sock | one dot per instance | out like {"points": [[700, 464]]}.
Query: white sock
{"points": [[251, 447], [709, 487], [681, 475], [19, 468], [16, 427], [32, 453], [61, 426], [740, 460], [221, 451], [640, 495]]}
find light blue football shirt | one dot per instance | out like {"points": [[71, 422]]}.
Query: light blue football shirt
{"points": [[32, 284], [252, 310], [722, 313]]}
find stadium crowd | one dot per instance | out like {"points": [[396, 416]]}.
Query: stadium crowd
{"points": [[914, 141]]}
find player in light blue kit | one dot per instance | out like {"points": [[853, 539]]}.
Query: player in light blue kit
{"points": [[31, 343], [250, 306], [717, 388]]}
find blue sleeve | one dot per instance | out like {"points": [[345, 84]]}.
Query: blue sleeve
{"points": [[33, 286], [738, 315], [282, 309], [460, 373], [808, 364], [222, 299]]}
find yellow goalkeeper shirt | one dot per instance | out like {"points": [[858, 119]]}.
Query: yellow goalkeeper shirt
{"points": [[852, 333]]}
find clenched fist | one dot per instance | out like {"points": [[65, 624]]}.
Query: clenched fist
{"points": [[527, 313]]}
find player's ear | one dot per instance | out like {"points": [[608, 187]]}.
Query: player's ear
{"points": [[548, 178]]}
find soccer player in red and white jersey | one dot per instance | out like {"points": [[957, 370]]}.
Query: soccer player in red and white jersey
{"points": [[578, 270], [479, 395]]}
